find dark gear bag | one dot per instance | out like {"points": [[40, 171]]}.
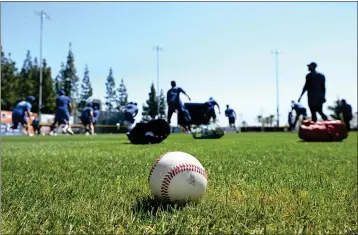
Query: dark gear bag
{"points": [[152, 132]]}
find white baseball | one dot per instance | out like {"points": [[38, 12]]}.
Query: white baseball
{"points": [[177, 177]]}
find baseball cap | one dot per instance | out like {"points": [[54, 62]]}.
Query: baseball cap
{"points": [[313, 64], [30, 98]]}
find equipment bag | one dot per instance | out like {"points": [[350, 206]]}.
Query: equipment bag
{"points": [[152, 132], [326, 131], [212, 131]]}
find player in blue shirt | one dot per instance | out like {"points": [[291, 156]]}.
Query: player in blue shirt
{"points": [[20, 113], [300, 111], [130, 112], [62, 114], [290, 121], [230, 113], [174, 103], [87, 119], [96, 113], [210, 109]]}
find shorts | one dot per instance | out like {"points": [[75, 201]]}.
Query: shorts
{"points": [[301, 111], [175, 106], [231, 120], [86, 121], [62, 116], [128, 117], [18, 118], [211, 113]]}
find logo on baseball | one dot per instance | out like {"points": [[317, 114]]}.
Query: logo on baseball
{"points": [[178, 177]]}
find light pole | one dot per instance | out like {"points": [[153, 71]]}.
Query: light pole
{"points": [[158, 49], [276, 52], [42, 15]]}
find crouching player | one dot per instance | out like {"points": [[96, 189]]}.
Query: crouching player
{"points": [[230, 113], [95, 114], [36, 126], [300, 111], [21, 114], [130, 112], [87, 119]]}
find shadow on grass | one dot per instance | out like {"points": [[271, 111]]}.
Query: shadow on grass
{"points": [[316, 141], [148, 206]]}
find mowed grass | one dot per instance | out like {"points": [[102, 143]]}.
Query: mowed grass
{"points": [[258, 183]]}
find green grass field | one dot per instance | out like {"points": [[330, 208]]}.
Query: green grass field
{"points": [[258, 183]]}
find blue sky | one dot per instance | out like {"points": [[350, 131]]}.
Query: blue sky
{"points": [[219, 49]]}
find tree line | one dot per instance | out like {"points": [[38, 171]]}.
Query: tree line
{"points": [[17, 84]]}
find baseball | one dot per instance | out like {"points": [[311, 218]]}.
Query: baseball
{"points": [[177, 177]]}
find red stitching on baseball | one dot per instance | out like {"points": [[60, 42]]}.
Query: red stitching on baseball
{"points": [[178, 169], [155, 164]]}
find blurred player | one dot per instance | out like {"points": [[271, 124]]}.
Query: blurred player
{"points": [[174, 103], [130, 112], [300, 111], [96, 113], [62, 114], [210, 109], [290, 121], [21, 114], [36, 126], [230, 113], [87, 119], [345, 110]]}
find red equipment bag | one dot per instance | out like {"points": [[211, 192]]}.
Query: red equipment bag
{"points": [[325, 131]]}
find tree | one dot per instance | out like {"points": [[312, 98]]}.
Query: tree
{"points": [[26, 83], [86, 89], [122, 98], [9, 96], [271, 119], [259, 119], [48, 95], [145, 116], [151, 107], [70, 77], [110, 91], [60, 78], [335, 109], [162, 105], [266, 121]]}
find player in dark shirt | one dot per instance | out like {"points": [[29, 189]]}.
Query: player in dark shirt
{"points": [[316, 91], [346, 111], [174, 103]]}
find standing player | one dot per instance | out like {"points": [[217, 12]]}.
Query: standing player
{"points": [[300, 111], [130, 112], [19, 113], [174, 103], [316, 91], [210, 109], [62, 114], [230, 113]]}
